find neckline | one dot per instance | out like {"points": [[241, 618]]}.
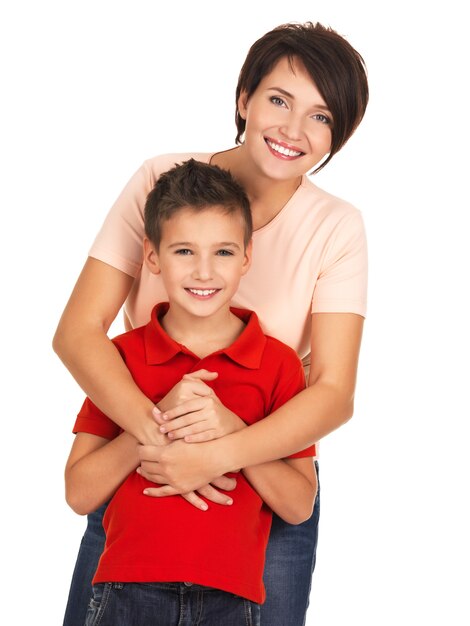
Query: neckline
{"points": [[283, 209]]}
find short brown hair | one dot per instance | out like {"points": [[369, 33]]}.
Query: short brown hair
{"points": [[336, 68], [196, 186]]}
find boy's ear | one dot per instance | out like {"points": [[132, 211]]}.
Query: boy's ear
{"points": [[151, 257], [242, 104], [248, 255]]}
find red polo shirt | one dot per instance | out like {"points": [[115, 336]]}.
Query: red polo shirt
{"points": [[167, 539]]}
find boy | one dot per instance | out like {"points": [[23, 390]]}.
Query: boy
{"points": [[171, 563]]}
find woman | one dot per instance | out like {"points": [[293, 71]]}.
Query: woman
{"points": [[302, 92]]}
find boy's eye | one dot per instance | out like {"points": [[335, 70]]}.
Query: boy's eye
{"points": [[224, 252], [278, 101], [183, 251]]}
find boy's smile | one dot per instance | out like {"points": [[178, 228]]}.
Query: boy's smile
{"points": [[202, 293], [201, 259]]}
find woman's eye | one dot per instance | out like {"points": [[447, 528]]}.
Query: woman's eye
{"points": [[278, 101], [324, 119], [183, 251]]}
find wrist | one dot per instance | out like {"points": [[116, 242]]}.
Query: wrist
{"points": [[146, 429], [224, 455]]}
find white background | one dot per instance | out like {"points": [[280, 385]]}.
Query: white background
{"points": [[90, 89]]}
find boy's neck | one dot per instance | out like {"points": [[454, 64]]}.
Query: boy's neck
{"points": [[202, 335]]}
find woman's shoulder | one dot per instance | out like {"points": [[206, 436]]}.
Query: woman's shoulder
{"points": [[318, 198], [163, 162]]}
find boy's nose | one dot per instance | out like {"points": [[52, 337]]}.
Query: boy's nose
{"points": [[202, 270]]}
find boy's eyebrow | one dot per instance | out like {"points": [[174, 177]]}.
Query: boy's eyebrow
{"points": [[221, 244], [181, 243], [226, 244], [289, 95]]}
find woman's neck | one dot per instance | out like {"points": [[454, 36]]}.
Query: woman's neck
{"points": [[267, 196]]}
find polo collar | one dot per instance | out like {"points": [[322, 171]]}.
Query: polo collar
{"points": [[247, 350]]}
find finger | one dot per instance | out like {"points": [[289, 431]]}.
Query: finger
{"points": [[186, 409], [160, 492], [200, 430], [215, 496], [205, 435], [195, 500], [166, 490], [157, 415], [188, 419], [224, 482], [201, 374], [193, 388]]}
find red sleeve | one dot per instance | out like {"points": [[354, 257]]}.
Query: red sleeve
{"points": [[93, 421]]}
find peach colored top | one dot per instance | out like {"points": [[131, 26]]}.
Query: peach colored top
{"points": [[311, 257]]}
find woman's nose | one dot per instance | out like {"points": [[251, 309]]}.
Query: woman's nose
{"points": [[292, 128]]}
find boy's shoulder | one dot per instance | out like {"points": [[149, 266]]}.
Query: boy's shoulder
{"points": [[280, 350], [131, 340], [272, 351]]}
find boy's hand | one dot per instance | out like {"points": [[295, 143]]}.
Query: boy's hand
{"points": [[191, 411], [200, 419], [190, 386]]}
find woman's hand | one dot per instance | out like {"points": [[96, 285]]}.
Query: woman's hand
{"points": [[181, 468], [150, 468], [207, 491]]}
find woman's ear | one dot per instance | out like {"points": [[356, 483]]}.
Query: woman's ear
{"points": [[242, 104], [151, 257]]}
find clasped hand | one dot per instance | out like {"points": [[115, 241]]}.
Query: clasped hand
{"points": [[196, 414], [193, 413]]}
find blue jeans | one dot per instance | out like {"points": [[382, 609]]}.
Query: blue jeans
{"points": [[290, 561], [168, 604]]}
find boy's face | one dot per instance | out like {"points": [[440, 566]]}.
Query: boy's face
{"points": [[201, 259]]}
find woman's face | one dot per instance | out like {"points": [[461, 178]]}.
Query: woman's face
{"points": [[288, 124]]}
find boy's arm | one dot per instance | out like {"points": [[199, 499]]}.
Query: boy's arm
{"points": [[95, 469], [289, 487]]}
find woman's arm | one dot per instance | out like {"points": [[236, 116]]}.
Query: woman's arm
{"points": [[95, 469], [326, 404], [84, 347]]}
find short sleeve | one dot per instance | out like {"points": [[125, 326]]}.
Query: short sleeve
{"points": [[290, 382], [342, 283], [93, 421], [119, 241]]}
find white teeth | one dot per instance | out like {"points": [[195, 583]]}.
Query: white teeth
{"points": [[282, 150], [202, 292]]}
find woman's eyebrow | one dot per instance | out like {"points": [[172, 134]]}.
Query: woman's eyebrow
{"points": [[289, 95], [281, 90]]}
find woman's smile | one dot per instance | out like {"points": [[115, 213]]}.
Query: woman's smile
{"points": [[282, 150]]}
